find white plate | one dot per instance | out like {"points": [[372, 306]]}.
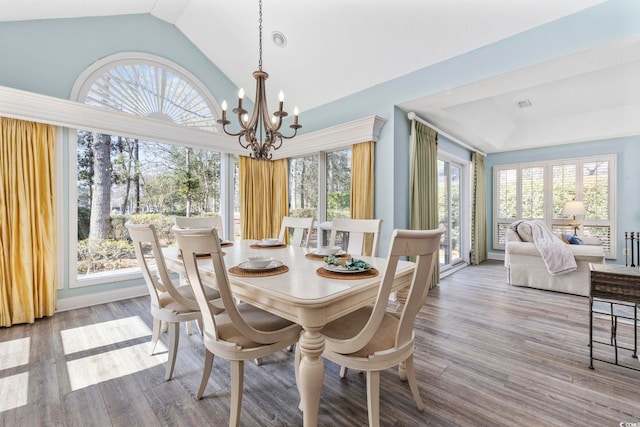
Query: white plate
{"points": [[261, 243], [247, 266], [319, 253], [343, 269]]}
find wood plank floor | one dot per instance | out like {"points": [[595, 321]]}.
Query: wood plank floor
{"points": [[488, 354]]}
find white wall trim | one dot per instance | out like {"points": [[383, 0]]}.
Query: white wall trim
{"points": [[71, 303], [36, 107], [497, 256]]}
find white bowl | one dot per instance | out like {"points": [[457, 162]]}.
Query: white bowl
{"points": [[270, 242], [328, 250], [259, 261]]}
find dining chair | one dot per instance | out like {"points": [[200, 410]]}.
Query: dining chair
{"points": [[373, 339], [240, 332], [169, 303], [358, 229], [201, 222], [301, 230]]}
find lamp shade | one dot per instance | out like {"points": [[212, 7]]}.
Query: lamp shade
{"points": [[574, 207]]}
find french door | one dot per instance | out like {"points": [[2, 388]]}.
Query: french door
{"points": [[450, 212]]}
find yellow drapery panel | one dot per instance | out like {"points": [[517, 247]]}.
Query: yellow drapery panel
{"points": [[263, 196], [423, 197], [479, 211], [362, 185], [28, 288]]}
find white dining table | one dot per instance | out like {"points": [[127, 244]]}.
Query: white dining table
{"points": [[302, 296]]}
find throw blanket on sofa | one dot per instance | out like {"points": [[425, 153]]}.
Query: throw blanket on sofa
{"points": [[556, 255]]}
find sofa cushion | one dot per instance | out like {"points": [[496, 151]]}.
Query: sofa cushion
{"points": [[524, 231], [588, 253]]}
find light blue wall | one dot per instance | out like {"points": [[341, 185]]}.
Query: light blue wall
{"points": [[47, 57], [627, 151]]}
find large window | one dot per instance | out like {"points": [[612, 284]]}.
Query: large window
{"points": [[320, 187], [540, 190], [339, 184], [120, 179]]}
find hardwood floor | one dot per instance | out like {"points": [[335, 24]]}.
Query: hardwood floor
{"points": [[487, 354]]}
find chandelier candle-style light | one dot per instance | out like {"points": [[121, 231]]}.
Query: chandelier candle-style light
{"points": [[261, 132]]}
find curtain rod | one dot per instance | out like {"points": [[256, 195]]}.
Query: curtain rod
{"points": [[413, 116]]}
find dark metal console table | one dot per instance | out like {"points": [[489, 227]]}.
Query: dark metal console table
{"points": [[616, 285]]}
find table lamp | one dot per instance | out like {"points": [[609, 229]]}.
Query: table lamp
{"points": [[573, 208]]}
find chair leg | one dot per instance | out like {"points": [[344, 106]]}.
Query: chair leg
{"points": [[413, 384], [343, 371], [155, 334], [206, 372], [237, 379], [258, 361], [189, 327], [164, 326], [373, 397], [174, 336]]}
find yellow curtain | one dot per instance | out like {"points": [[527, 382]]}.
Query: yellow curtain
{"points": [[423, 197], [479, 211], [263, 196], [362, 185], [28, 288]]}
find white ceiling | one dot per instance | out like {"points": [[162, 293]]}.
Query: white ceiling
{"points": [[338, 47]]}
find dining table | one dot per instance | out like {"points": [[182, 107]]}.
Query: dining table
{"points": [[302, 291]]}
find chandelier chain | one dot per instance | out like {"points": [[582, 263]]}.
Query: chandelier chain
{"points": [[260, 39]]}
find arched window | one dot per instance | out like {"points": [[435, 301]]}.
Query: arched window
{"points": [[121, 178]]}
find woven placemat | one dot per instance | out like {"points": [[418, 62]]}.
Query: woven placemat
{"points": [[322, 257], [256, 246], [347, 276], [237, 271], [226, 244]]}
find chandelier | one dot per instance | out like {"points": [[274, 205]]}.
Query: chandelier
{"points": [[261, 132]]}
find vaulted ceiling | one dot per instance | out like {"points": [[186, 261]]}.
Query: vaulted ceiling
{"points": [[335, 48]]}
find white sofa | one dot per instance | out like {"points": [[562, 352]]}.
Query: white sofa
{"points": [[525, 266]]}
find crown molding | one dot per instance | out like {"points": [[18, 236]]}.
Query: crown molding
{"points": [[24, 105]]}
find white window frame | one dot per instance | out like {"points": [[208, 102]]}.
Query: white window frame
{"points": [[548, 195]]}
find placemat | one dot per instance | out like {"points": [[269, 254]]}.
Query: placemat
{"points": [[237, 271], [226, 244], [347, 276], [256, 246], [313, 256]]}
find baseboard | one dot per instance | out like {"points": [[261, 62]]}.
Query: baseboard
{"points": [[88, 300], [497, 256]]}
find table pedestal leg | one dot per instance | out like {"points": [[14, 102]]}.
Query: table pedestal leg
{"points": [[310, 375]]}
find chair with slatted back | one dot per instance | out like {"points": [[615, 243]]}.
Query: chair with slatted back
{"points": [[240, 332], [170, 303], [357, 230], [201, 222], [301, 228], [373, 339]]}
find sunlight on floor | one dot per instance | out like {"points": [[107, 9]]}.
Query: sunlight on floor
{"points": [[13, 391], [14, 388], [101, 334], [14, 353], [113, 363]]}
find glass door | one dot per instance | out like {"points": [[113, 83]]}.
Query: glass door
{"points": [[449, 211]]}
